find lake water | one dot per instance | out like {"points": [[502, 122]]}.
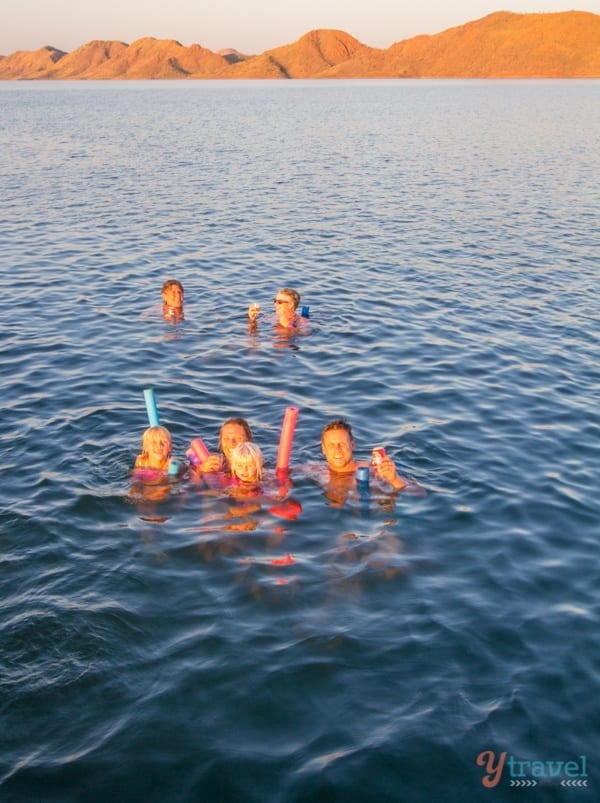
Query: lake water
{"points": [[445, 235]]}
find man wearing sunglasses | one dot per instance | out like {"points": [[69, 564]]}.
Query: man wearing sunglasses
{"points": [[286, 318]]}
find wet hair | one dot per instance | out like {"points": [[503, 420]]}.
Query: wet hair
{"points": [[339, 423], [241, 422], [247, 452], [171, 283], [149, 433], [295, 296]]}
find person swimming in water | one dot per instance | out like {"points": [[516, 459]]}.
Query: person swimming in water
{"points": [[172, 295], [337, 445], [157, 446], [287, 318], [233, 432], [170, 308], [247, 484], [246, 464]]}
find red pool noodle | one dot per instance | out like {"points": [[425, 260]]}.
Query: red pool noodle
{"points": [[286, 438], [288, 509], [198, 451]]}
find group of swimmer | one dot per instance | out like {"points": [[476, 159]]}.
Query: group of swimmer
{"points": [[238, 463], [240, 459], [285, 303]]}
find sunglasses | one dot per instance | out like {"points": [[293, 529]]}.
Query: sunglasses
{"points": [[282, 301]]}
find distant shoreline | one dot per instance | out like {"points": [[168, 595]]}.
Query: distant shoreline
{"points": [[500, 45]]}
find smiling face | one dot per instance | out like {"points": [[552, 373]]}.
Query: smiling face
{"points": [[246, 470], [172, 295], [247, 462], [337, 446], [285, 307], [232, 435], [157, 445], [283, 303]]}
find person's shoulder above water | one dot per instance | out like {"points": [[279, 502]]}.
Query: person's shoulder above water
{"points": [[337, 445], [286, 317], [157, 446], [172, 295], [170, 308], [156, 454], [233, 432]]}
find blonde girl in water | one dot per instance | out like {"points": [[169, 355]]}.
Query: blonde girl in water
{"points": [[246, 462], [157, 446]]}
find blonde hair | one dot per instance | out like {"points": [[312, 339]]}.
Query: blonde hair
{"points": [[247, 452], [143, 458]]}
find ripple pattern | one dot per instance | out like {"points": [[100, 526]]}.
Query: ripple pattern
{"points": [[445, 236]]}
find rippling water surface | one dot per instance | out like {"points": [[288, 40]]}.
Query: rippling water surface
{"points": [[445, 236]]}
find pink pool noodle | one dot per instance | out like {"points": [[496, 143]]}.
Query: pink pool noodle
{"points": [[286, 438], [197, 453]]}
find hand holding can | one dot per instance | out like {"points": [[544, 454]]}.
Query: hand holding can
{"points": [[378, 455], [253, 311]]}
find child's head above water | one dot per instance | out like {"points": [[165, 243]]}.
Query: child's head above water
{"points": [[157, 445], [246, 462]]}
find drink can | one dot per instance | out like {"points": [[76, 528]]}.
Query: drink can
{"points": [[362, 475], [378, 455]]}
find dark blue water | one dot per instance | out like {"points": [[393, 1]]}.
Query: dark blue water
{"points": [[446, 237]]}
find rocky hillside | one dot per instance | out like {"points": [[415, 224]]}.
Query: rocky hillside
{"points": [[501, 45]]}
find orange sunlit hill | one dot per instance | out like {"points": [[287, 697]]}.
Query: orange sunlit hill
{"points": [[501, 45]]}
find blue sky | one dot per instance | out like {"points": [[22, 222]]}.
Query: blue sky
{"points": [[251, 26]]}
